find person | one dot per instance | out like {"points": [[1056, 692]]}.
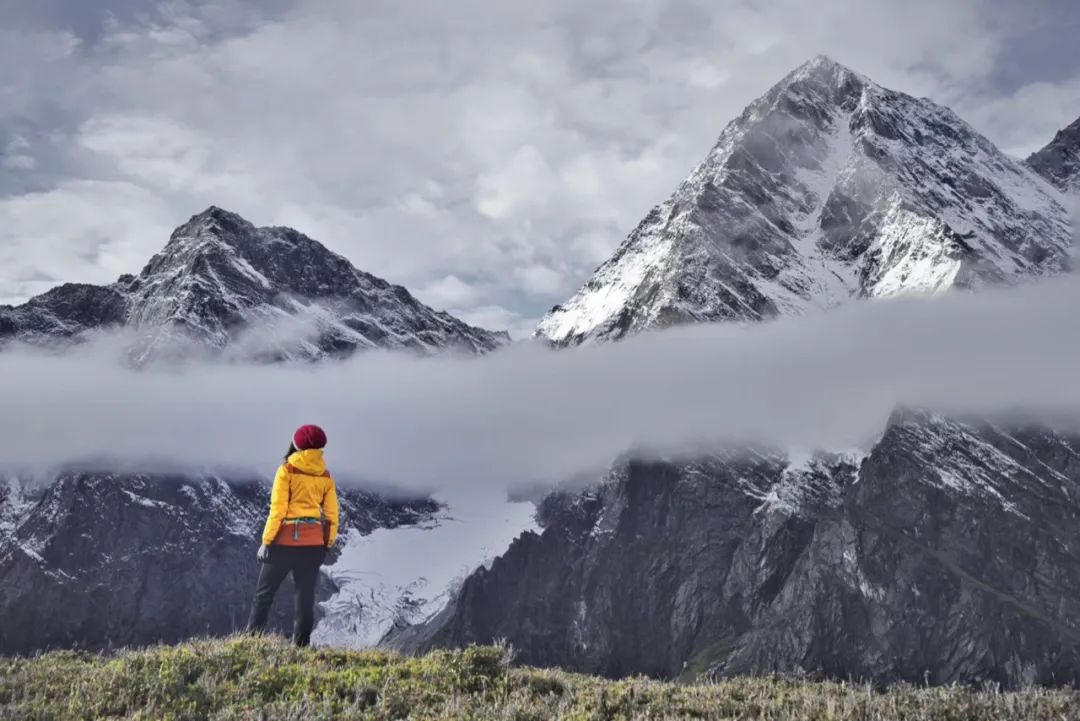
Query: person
{"points": [[301, 526]]}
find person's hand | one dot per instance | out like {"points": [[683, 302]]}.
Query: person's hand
{"points": [[333, 553], [264, 553]]}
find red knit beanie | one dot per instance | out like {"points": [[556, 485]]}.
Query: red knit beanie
{"points": [[309, 437]]}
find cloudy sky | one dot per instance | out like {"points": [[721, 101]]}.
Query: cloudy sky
{"points": [[486, 154]]}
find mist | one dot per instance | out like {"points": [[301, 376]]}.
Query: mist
{"points": [[529, 415]]}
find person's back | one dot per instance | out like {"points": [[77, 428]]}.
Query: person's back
{"points": [[301, 526]]}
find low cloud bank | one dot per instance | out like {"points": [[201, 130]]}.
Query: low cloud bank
{"points": [[530, 415]]}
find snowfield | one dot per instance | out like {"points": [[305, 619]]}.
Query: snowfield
{"points": [[403, 576]]}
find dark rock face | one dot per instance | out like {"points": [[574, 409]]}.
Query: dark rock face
{"points": [[1059, 161], [947, 554], [221, 286], [97, 560], [63, 313]]}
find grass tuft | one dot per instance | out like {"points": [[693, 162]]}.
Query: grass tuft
{"points": [[266, 679]]}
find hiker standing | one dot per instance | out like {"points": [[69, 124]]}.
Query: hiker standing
{"points": [[301, 526]]}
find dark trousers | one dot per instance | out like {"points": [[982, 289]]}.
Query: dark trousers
{"points": [[303, 562]]}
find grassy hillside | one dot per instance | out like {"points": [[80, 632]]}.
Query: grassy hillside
{"points": [[264, 679]]}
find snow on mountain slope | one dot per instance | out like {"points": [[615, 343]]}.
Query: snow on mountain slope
{"points": [[828, 188], [399, 577], [14, 503], [1059, 161], [944, 554], [223, 287]]}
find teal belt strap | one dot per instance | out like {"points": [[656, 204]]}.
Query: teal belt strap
{"points": [[296, 522]]}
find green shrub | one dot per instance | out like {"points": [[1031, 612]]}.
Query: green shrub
{"points": [[541, 683]]}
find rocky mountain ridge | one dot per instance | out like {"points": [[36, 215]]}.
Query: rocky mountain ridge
{"points": [[947, 554], [222, 287], [1059, 160]]}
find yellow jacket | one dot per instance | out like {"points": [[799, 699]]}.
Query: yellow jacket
{"points": [[307, 492]]}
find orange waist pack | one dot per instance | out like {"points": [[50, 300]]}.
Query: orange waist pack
{"points": [[301, 532]]}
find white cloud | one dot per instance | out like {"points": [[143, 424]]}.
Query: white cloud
{"points": [[702, 74], [153, 152], [520, 186], [1026, 119], [495, 316], [528, 414], [80, 231], [18, 155], [449, 292], [541, 280], [34, 66]]}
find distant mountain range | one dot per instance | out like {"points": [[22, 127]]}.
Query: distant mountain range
{"points": [[944, 551]]}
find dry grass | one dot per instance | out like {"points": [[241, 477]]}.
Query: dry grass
{"points": [[245, 678]]}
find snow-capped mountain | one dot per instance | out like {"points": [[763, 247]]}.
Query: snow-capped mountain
{"points": [[942, 553], [1059, 161], [828, 188], [221, 286]]}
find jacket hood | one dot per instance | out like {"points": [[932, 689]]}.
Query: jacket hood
{"points": [[308, 461]]}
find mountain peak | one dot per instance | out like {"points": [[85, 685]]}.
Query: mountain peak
{"points": [[828, 188], [811, 90], [833, 81], [221, 282], [1059, 161], [1070, 133], [216, 212], [823, 66], [220, 273], [214, 215], [214, 222]]}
